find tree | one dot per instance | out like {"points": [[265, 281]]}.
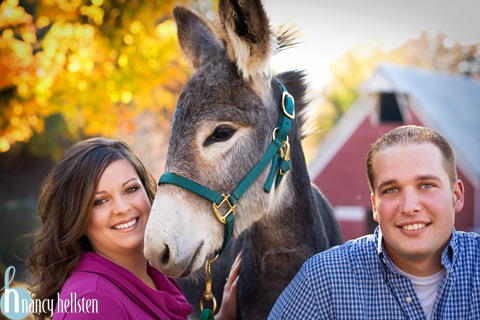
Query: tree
{"points": [[79, 68]]}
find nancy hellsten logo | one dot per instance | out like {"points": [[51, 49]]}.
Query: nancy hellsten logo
{"points": [[17, 303]]}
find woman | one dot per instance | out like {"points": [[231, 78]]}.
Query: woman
{"points": [[94, 206]]}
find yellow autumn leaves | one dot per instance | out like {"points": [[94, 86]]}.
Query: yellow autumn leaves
{"points": [[98, 64]]}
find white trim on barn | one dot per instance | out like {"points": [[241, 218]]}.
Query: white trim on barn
{"points": [[350, 213]]}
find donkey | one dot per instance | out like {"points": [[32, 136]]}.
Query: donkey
{"points": [[223, 123]]}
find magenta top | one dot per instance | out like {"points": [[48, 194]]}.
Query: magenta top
{"points": [[100, 289]]}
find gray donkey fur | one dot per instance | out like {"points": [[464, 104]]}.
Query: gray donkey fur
{"points": [[241, 94]]}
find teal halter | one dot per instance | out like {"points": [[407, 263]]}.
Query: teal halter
{"points": [[278, 152]]}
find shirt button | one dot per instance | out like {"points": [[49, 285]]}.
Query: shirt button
{"points": [[384, 261], [408, 299]]}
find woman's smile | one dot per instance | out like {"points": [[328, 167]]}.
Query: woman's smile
{"points": [[126, 225]]}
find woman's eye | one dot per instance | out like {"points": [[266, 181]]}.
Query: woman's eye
{"points": [[99, 202], [131, 189], [221, 133]]}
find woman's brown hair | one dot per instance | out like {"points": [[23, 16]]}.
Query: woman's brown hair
{"points": [[65, 203]]}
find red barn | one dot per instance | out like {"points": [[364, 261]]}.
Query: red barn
{"points": [[391, 97]]}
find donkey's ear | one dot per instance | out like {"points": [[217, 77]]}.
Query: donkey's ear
{"points": [[196, 39], [246, 31]]}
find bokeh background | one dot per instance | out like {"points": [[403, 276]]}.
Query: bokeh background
{"points": [[73, 69]]}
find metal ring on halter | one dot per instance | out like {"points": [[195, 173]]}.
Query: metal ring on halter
{"points": [[286, 94], [208, 296], [215, 258], [273, 133], [274, 136]]}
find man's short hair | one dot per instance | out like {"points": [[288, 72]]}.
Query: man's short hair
{"points": [[411, 134]]}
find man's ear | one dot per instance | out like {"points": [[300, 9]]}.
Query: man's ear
{"points": [[374, 207], [458, 195]]}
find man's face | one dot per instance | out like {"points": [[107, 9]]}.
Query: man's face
{"points": [[414, 204]]}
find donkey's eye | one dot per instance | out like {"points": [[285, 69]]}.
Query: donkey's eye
{"points": [[221, 133]]}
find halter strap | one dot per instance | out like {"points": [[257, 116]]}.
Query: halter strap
{"points": [[280, 166]]}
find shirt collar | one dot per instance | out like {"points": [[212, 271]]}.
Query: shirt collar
{"points": [[448, 254], [451, 251], [378, 242], [381, 252]]}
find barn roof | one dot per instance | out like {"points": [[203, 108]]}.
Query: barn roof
{"points": [[449, 104]]}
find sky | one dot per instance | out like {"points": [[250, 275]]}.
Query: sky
{"points": [[330, 28]]}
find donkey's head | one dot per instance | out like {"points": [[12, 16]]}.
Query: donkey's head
{"points": [[223, 123]]}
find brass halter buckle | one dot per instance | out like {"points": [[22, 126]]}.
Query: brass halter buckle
{"points": [[231, 209], [285, 154]]}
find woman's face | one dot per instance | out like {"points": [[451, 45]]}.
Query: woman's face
{"points": [[120, 212]]}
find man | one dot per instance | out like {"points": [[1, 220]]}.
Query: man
{"points": [[415, 265]]}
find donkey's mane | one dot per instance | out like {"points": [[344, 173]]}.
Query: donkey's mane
{"points": [[295, 80]]}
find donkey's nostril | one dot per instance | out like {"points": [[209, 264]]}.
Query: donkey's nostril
{"points": [[166, 255]]}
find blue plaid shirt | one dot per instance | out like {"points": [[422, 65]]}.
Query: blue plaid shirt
{"points": [[357, 281]]}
